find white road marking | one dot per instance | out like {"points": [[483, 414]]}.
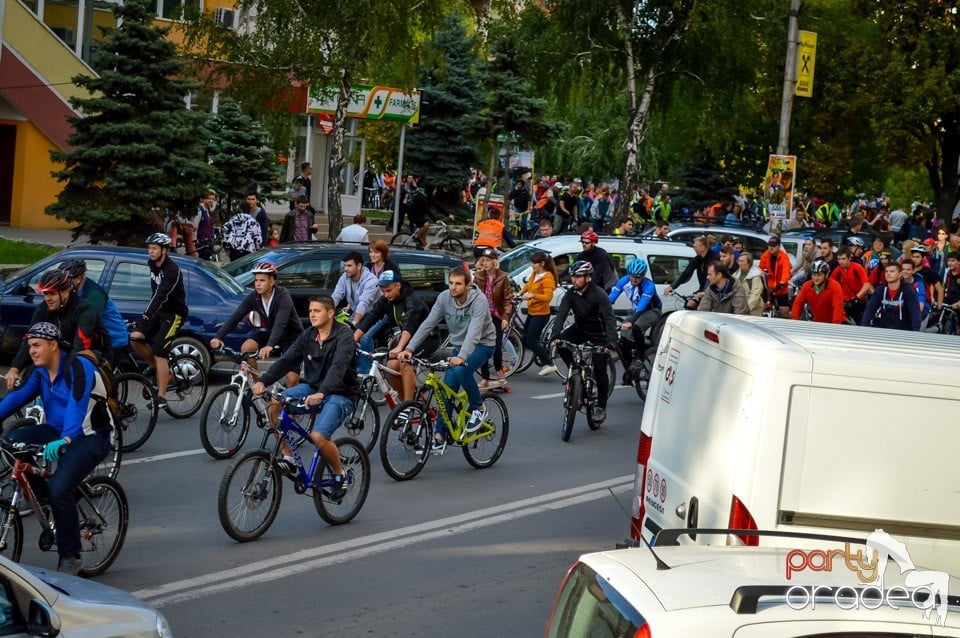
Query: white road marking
{"points": [[162, 457], [560, 394], [310, 559]]}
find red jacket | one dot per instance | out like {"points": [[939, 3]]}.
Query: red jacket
{"points": [[779, 275], [851, 280], [826, 306]]}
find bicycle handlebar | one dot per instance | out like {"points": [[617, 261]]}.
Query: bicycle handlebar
{"points": [[234, 354]]}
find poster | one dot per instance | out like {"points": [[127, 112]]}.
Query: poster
{"points": [[778, 185]]}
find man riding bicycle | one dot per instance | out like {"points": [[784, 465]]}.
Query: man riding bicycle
{"points": [[593, 322], [704, 257], [76, 434], [647, 308], [894, 305], [97, 297], [464, 309], [328, 355], [854, 286], [823, 295]]}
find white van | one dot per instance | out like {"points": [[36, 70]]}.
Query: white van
{"points": [[766, 423]]}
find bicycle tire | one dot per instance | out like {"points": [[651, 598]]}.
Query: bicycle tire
{"points": [[656, 330], [364, 423], [13, 546], [138, 409], [224, 423], [356, 463], [571, 403], [515, 339], [255, 480], [452, 245], [402, 239], [484, 452], [110, 465], [104, 514], [405, 440], [611, 375], [187, 389], [641, 375], [588, 412]]}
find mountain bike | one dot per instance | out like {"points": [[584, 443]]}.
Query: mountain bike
{"points": [[439, 238], [943, 321], [101, 504], [251, 488], [580, 390], [407, 437], [641, 368]]}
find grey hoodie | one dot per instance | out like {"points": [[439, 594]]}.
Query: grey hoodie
{"points": [[468, 324]]}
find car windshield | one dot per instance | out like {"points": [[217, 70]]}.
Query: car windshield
{"points": [[241, 268], [225, 281], [517, 259]]}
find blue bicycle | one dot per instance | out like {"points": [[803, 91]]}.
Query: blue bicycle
{"points": [[251, 489]]}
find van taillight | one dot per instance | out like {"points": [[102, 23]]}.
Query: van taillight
{"points": [[741, 518], [640, 481], [711, 336], [644, 632]]}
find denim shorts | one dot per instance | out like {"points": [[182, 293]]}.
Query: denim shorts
{"points": [[332, 411]]}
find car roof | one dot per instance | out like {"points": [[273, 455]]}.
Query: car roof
{"points": [[723, 230], [557, 242]]}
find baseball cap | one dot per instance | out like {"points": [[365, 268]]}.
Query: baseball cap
{"points": [[388, 277], [773, 241], [489, 252]]}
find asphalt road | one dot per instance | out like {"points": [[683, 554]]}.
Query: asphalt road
{"points": [[456, 551]]}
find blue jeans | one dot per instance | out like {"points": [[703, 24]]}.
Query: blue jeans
{"points": [[366, 343], [331, 412], [462, 377], [79, 458]]}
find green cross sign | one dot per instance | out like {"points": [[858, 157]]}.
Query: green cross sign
{"points": [[378, 102]]}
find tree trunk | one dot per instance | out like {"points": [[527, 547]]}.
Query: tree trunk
{"points": [[334, 183], [948, 193]]}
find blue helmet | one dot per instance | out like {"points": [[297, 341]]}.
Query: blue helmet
{"points": [[637, 267]]}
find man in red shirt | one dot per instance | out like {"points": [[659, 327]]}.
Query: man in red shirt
{"points": [[854, 285], [822, 294]]}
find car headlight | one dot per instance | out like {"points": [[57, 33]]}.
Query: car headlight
{"points": [[163, 628]]}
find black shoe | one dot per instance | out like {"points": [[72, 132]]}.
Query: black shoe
{"points": [[627, 378], [161, 403], [287, 468], [599, 415], [339, 489]]}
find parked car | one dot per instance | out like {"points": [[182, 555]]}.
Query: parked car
{"points": [[837, 235], [667, 260], [124, 274], [682, 590], [306, 270], [38, 602], [754, 240]]}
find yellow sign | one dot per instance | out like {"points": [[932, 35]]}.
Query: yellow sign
{"points": [[806, 60], [778, 185]]}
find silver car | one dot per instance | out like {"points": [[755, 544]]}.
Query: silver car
{"points": [[38, 602]]}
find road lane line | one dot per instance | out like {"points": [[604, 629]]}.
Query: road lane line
{"points": [[289, 564], [549, 396], [162, 457]]}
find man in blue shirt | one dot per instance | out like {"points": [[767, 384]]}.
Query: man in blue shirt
{"points": [[646, 305], [76, 433]]}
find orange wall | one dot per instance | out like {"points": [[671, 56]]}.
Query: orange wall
{"points": [[33, 187]]}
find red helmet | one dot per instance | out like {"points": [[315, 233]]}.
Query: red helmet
{"points": [[589, 235], [54, 280], [265, 268]]}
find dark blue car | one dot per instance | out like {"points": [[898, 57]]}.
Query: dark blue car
{"points": [[123, 272]]}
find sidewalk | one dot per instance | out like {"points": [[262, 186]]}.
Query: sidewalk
{"points": [[35, 236]]}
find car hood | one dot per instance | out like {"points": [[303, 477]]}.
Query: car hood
{"points": [[82, 590]]}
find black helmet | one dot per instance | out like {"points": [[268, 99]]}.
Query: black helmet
{"points": [[76, 267], [581, 267], [821, 267], [43, 330], [160, 239], [54, 280]]}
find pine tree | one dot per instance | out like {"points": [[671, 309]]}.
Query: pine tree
{"points": [[240, 155], [444, 146], [136, 151], [702, 182]]}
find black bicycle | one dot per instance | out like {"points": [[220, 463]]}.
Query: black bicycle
{"points": [[641, 367], [580, 390], [943, 321]]}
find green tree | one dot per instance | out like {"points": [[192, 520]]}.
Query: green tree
{"points": [[241, 155], [136, 151], [702, 182]]}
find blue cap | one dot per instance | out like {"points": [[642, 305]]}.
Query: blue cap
{"points": [[388, 277]]}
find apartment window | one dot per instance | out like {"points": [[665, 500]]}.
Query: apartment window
{"points": [[177, 9]]}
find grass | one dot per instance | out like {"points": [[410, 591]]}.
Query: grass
{"points": [[21, 252]]}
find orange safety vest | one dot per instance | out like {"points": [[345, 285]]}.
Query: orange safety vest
{"points": [[489, 233]]}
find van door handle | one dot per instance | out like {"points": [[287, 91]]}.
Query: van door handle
{"points": [[694, 516]]}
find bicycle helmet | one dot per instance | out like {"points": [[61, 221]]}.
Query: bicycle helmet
{"points": [[76, 267], [43, 330], [637, 267], [160, 239], [855, 241], [589, 235], [581, 267], [54, 280], [265, 268], [820, 267]]}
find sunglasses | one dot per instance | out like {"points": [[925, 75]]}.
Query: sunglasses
{"points": [[586, 241]]}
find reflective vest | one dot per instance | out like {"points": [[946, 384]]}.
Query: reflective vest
{"points": [[489, 233]]}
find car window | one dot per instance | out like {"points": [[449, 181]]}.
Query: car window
{"points": [[666, 268], [620, 260], [308, 273], [425, 277], [94, 270], [754, 246], [10, 620], [516, 260], [225, 282], [131, 282], [588, 605]]}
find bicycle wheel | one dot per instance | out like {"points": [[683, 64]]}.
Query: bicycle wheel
{"points": [[513, 353], [402, 239], [13, 544], [110, 465], [356, 463], [496, 426], [138, 409], [187, 388], [364, 423], [104, 515], [249, 498], [641, 372], [405, 441], [571, 403], [611, 375], [224, 423], [452, 245], [592, 390]]}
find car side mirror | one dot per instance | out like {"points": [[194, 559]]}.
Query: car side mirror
{"points": [[40, 621], [23, 289]]}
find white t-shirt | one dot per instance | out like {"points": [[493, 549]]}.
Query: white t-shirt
{"points": [[353, 234]]}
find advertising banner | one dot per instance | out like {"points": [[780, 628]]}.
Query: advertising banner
{"points": [[778, 185]]}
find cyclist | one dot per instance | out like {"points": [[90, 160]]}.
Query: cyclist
{"points": [[97, 297], [357, 287], [420, 202], [857, 247], [931, 280], [909, 277], [592, 322], [951, 279], [495, 285], [776, 264], [704, 256], [854, 286], [491, 233], [893, 305], [604, 273], [76, 433], [328, 386], [275, 319], [154, 331], [724, 294], [74, 317], [403, 309], [465, 311], [824, 296], [647, 308]]}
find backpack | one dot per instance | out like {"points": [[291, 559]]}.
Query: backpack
{"points": [[106, 412]]}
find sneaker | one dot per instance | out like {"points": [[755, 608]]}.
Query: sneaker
{"points": [[438, 445], [287, 467], [547, 370], [70, 565], [627, 378], [339, 489], [161, 403], [484, 384], [476, 420], [599, 415]]}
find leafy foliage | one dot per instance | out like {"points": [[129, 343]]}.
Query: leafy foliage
{"points": [[702, 182]]}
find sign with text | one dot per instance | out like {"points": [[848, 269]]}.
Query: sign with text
{"points": [[778, 185], [806, 60], [368, 103]]}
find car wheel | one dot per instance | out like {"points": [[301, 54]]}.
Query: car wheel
{"points": [[193, 347]]}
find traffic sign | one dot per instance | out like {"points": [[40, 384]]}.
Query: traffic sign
{"points": [[368, 103]]}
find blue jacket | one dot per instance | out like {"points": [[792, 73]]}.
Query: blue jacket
{"points": [[901, 311], [113, 322], [642, 298]]}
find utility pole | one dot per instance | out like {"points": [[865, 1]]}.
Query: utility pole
{"points": [[789, 78]]}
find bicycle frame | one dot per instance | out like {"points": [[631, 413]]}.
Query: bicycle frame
{"points": [[457, 429], [377, 371], [288, 428], [582, 365], [20, 470]]}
